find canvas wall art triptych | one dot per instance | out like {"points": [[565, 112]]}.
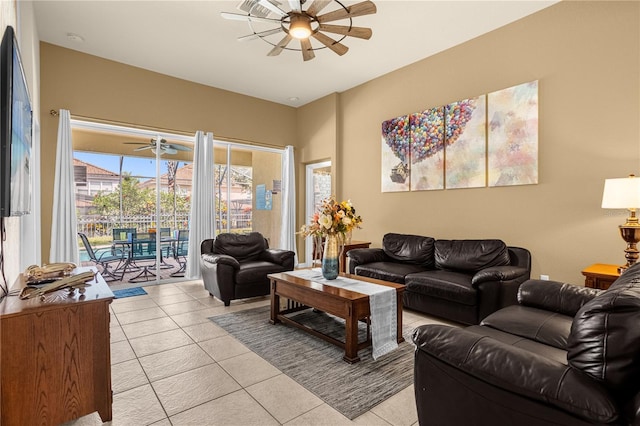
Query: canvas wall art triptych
{"points": [[489, 140]]}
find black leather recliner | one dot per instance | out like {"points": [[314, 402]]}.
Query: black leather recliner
{"points": [[235, 266], [565, 355]]}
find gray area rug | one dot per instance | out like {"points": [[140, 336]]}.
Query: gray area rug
{"points": [[352, 389]]}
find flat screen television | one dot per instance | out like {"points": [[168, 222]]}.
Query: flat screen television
{"points": [[16, 122]]}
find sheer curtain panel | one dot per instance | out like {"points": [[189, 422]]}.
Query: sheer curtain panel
{"points": [[288, 229], [201, 223], [64, 239]]}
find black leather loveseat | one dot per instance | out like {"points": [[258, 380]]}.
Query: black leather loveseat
{"points": [[461, 280], [566, 355], [235, 266]]}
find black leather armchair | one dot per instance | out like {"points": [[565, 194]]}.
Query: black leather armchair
{"points": [[235, 266], [565, 355]]}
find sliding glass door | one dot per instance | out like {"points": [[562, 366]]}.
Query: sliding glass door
{"points": [[116, 198], [248, 190]]}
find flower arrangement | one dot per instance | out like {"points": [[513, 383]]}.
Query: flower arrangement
{"points": [[333, 218]]}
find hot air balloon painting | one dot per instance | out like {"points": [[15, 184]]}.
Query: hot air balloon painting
{"points": [[466, 137], [513, 135], [395, 154], [427, 149], [466, 144]]}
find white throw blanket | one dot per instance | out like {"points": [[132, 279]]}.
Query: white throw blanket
{"points": [[382, 304]]}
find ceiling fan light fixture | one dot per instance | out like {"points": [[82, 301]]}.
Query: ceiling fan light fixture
{"points": [[304, 24], [300, 27]]}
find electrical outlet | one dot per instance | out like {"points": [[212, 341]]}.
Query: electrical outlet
{"points": [[544, 277]]}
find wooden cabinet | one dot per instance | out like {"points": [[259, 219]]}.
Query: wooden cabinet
{"points": [[55, 356], [600, 275]]}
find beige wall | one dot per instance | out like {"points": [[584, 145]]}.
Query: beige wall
{"points": [[586, 58], [89, 86], [317, 135]]}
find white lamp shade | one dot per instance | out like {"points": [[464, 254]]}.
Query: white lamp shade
{"points": [[621, 193]]}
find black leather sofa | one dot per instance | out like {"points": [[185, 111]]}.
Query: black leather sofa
{"points": [[565, 355], [461, 280], [235, 266]]}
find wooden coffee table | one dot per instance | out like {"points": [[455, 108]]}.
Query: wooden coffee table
{"points": [[345, 304]]}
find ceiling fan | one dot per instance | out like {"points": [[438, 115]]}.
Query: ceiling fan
{"points": [[303, 24], [165, 148]]}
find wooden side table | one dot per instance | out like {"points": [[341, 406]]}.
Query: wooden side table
{"points": [[600, 275], [350, 246]]}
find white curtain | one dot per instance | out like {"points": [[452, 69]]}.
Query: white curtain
{"points": [[201, 224], [64, 237], [288, 229]]}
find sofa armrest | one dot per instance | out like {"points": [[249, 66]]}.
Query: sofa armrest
{"points": [[516, 370], [279, 257], [555, 296], [363, 256], [498, 273], [220, 259]]}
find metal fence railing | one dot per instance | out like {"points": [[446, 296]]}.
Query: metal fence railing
{"points": [[102, 226]]}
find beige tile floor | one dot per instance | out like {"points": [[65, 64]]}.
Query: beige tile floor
{"points": [[172, 366]]}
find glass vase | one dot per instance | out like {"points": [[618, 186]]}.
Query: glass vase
{"points": [[330, 257]]}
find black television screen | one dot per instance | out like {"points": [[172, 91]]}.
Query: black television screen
{"points": [[16, 122]]}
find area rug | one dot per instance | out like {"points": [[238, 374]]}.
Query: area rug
{"points": [[351, 389], [128, 292]]}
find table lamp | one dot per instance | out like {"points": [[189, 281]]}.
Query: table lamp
{"points": [[624, 193]]}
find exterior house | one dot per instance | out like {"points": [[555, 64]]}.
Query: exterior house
{"points": [[90, 180]]}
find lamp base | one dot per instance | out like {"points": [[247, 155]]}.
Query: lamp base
{"points": [[631, 234]]}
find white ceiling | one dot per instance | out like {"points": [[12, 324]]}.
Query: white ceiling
{"points": [[190, 40]]}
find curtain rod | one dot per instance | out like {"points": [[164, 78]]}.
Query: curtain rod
{"points": [[221, 138]]}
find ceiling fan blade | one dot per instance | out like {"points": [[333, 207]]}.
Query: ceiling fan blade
{"points": [[272, 7], [358, 9], [280, 46], [358, 32], [142, 148], [339, 48], [134, 143], [295, 5], [317, 6], [260, 34], [238, 17], [307, 50], [176, 147]]}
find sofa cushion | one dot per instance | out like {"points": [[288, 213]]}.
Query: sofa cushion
{"points": [[255, 271], [546, 327], [470, 255], [553, 353], [448, 285], [605, 334], [414, 249], [240, 246], [388, 271]]}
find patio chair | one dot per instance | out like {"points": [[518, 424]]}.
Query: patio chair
{"points": [[105, 257], [180, 252], [143, 248], [166, 244], [121, 236]]}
